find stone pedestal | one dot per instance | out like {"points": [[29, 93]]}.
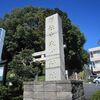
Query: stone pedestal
{"points": [[56, 90]]}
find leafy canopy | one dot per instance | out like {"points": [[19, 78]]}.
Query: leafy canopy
{"points": [[25, 29], [25, 34]]}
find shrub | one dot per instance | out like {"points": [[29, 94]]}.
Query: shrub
{"points": [[41, 78], [3, 92], [18, 98], [96, 95]]}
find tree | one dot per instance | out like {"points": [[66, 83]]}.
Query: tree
{"points": [[3, 92], [21, 66], [25, 29], [25, 33], [75, 55], [20, 69]]}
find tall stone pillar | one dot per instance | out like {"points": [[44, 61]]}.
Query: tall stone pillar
{"points": [[55, 64]]}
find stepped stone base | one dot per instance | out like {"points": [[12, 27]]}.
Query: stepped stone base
{"points": [[56, 90]]}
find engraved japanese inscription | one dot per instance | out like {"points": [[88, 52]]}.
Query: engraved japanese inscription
{"points": [[54, 49]]}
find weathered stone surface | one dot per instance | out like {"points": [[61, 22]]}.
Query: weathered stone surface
{"points": [[28, 94], [50, 95], [64, 87], [55, 63], [28, 87], [38, 88], [38, 95], [28, 99], [50, 87], [64, 95], [54, 90]]}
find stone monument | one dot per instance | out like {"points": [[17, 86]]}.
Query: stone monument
{"points": [[55, 87], [55, 64]]}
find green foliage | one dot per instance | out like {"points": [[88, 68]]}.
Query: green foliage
{"points": [[41, 78], [25, 33], [21, 66], [25, 29], [82, 75], [10, 93], [3, 92], [75, 55], [18, 98], [20, 69], [96, 95]]}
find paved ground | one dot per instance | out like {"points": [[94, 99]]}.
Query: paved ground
{"points": [[89, 89]]}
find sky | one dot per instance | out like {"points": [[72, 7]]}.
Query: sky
{"points": [[83, 13]]}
